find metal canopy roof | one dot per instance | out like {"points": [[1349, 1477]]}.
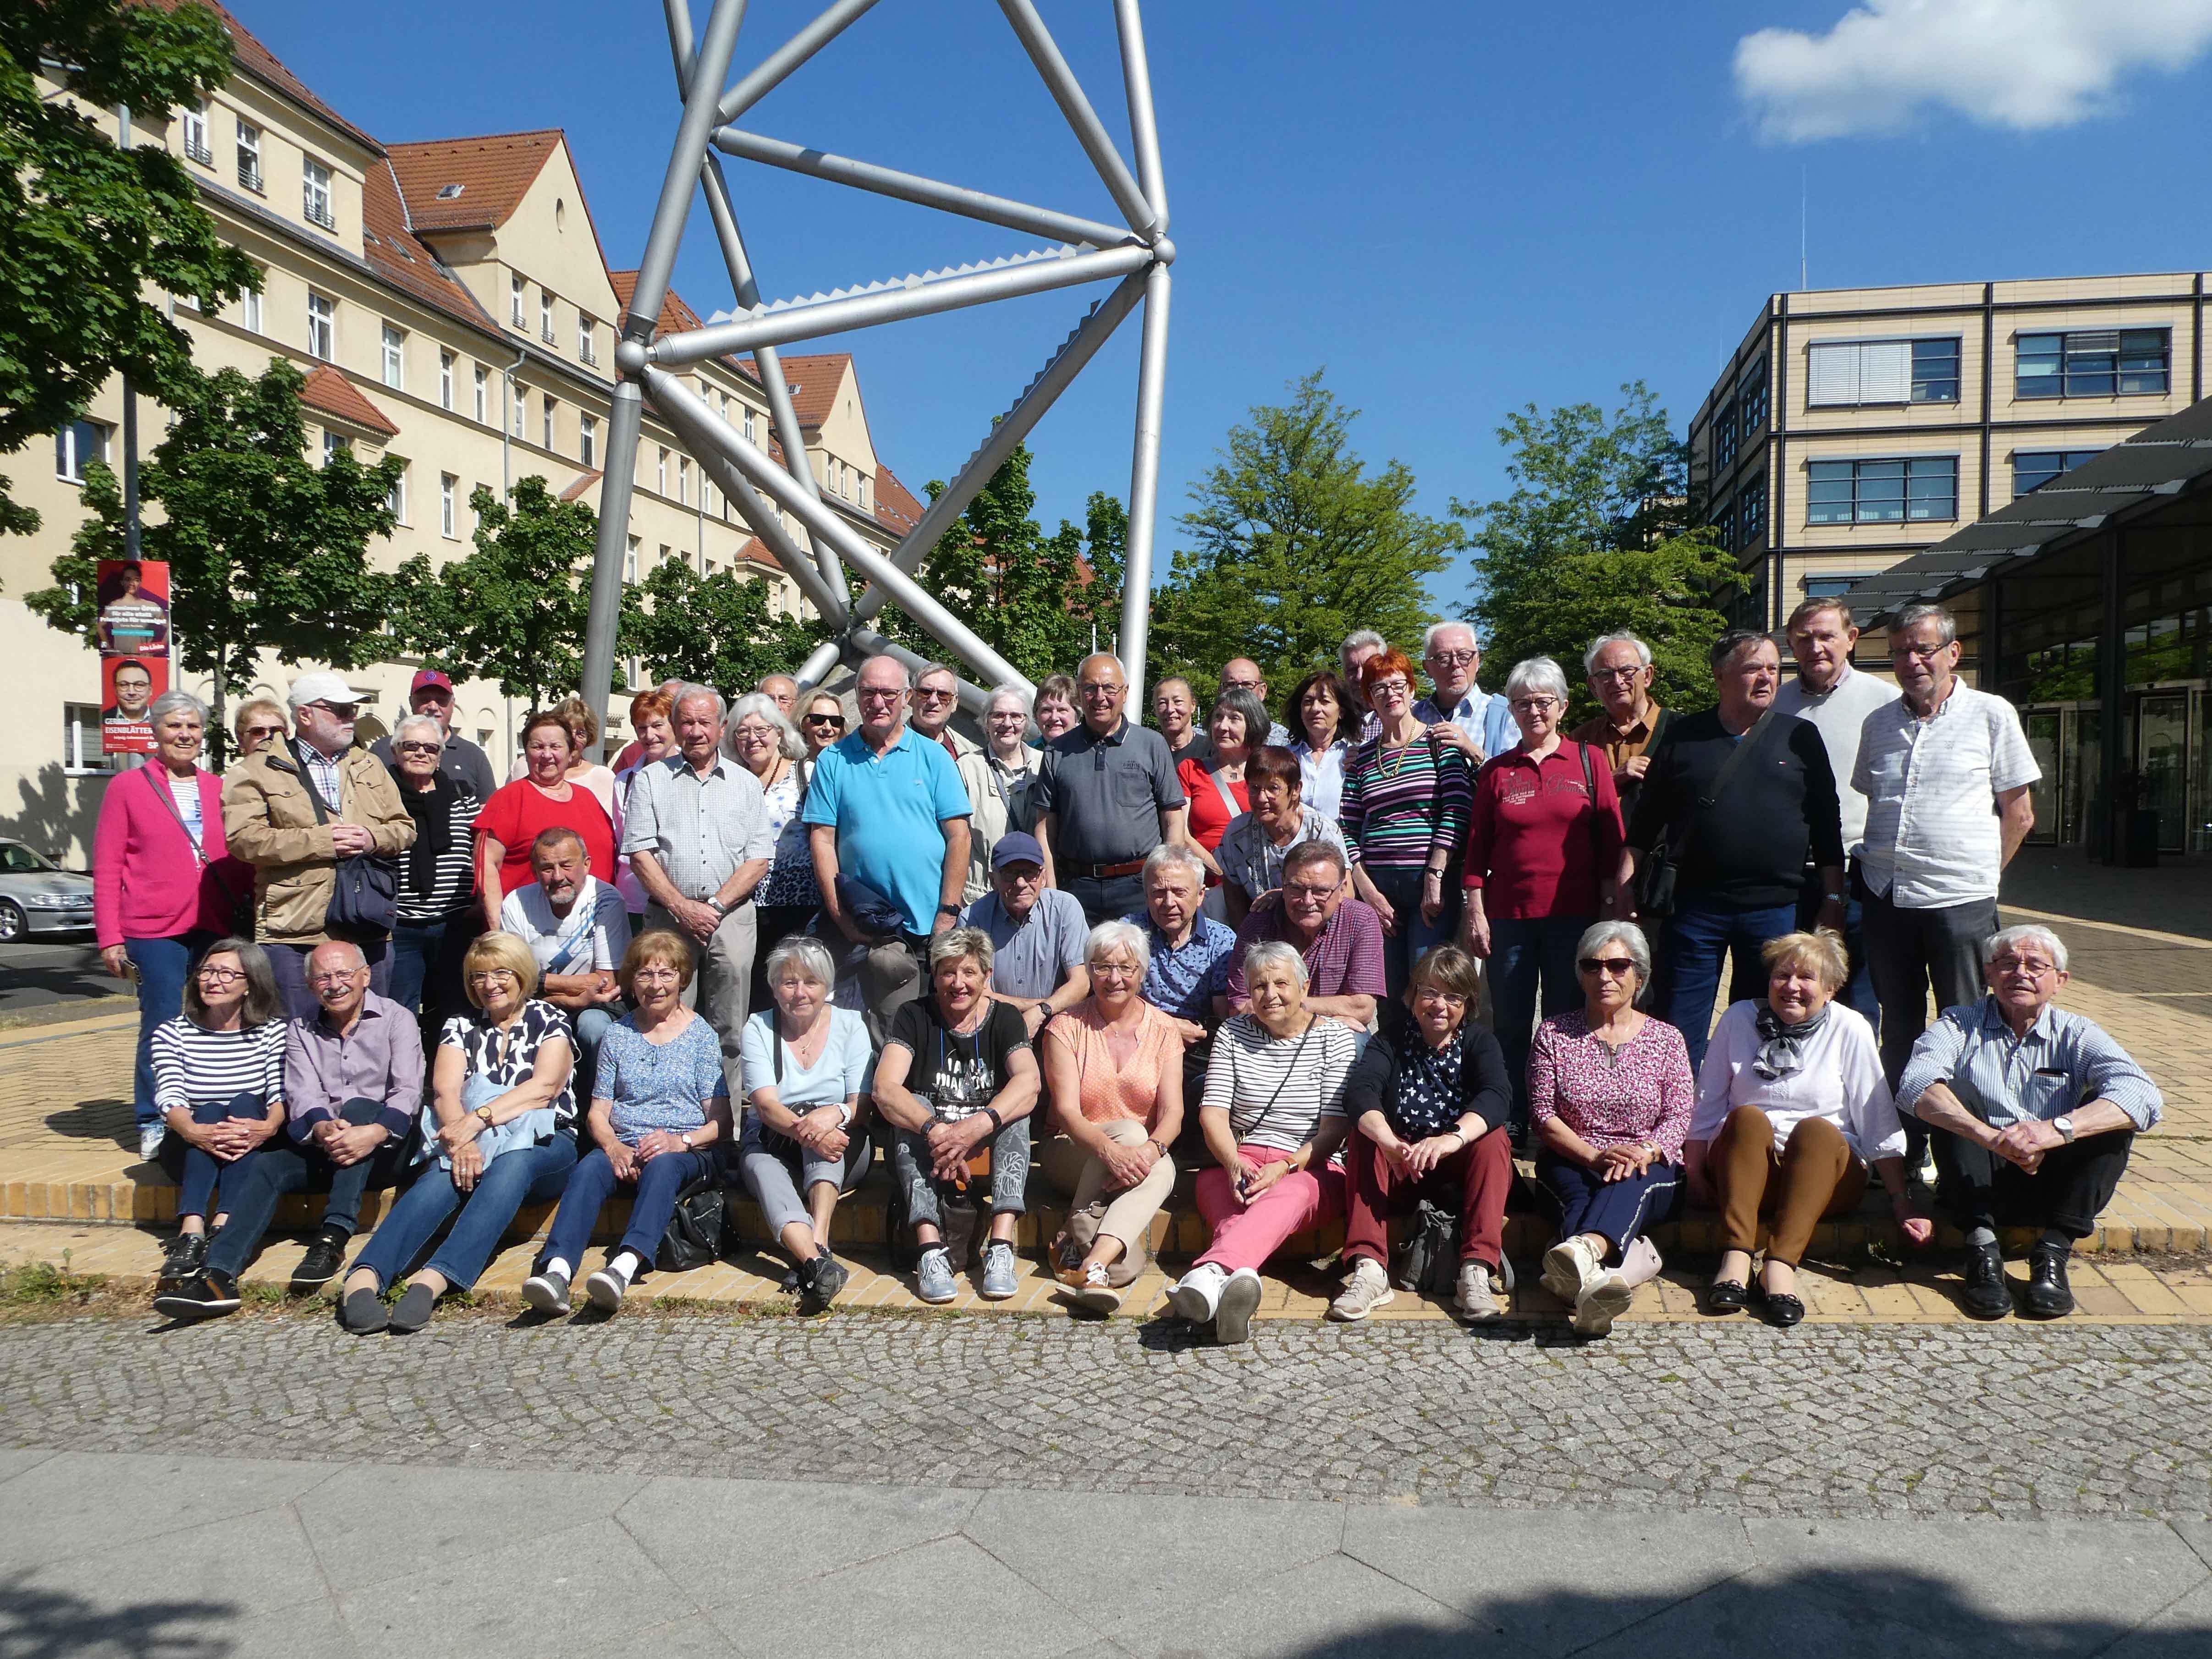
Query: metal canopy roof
{"points": [[2170, 457]]}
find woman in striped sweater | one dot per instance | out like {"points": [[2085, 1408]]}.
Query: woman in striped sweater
{"points": [[1404, 812], [219, 1083]]}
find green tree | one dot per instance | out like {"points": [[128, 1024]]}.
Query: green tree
{"points": [[514, 610], [1297, 545], [717, 631], [1597, 536], [267, 552], [91, 234]]}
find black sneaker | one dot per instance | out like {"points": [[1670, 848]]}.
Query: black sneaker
{"points": [[204, 1297], [2048, 1295], [186, 1258], [321, 1263], [819, 1282], [1986, 1295]]}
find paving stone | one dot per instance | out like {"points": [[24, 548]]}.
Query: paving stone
{"points": [[243, 1565], [158, 1494]]}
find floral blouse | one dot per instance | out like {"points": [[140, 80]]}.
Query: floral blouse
{"points": [[1643, 1092], [790, 879], [509, 1057]]}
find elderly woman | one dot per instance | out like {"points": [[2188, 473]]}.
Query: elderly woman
{"points": [[998, 776], [821, 722], [957, 1081], [1427, 1101], [498, 1133], [658, 1107], [1404, 814], [654, 720], [1545, 859], [1252, 849], [549, 798], [1792, 1109], [1113, 1067], [757, 736], [806, 1075], [1272, 1113], [583, 728], [1054, 711], [1323, 713], [1216, 787], [438, 881], [259, 722], [163, 881], [219, 1084], [1609, 1088]]}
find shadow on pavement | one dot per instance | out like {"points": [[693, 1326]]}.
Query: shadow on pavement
{"points": [[43, 1624]]}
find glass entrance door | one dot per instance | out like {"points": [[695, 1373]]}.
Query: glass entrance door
{"points": [[2161, 737], [2044, 728]]}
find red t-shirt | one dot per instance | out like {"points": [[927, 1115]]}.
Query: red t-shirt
{"points": [[1210, 816], [519, 813], [1538, 845]]}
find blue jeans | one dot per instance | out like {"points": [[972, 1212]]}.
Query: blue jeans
{"points": [[425, 966], [1694, 945], [1858, 992], [163, 966], [526, 1174], [1415, 936], [1520, 954], [203, 1171], [1617, 1211], [285, 1166], [592, 1183], [591, 1026]]}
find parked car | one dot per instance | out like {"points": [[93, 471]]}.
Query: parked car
{"points": [[37, 896]]}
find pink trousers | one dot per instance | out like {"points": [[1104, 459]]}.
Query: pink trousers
{"points": [[1246, 1234]]}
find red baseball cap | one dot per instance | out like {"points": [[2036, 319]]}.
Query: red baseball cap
{"points": [[428, 677]]}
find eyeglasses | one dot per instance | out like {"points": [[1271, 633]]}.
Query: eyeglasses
{"points": [[338, 976], [1918, 653], [416, 748], [878, 693], [1533, 705], [1241, 686], [1396, 686], [655, 977], [1438, 993], [936, 697], [221, 975], [1612, 967], [2029, 965], [1114, 970], [263, 732], [1627, 673], [1099, 688], [344, 711], [1310, 895], [834, 721], [492, 975], [1454, 659]]}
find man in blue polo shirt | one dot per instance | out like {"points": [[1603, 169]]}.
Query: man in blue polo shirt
{"points": [[887, 821]]}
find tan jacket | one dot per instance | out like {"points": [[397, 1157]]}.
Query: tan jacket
{"points": [[270, 821]]}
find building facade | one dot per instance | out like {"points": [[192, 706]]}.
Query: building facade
{"points": [[452, 305]]}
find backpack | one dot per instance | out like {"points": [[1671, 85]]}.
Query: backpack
{"points": [[1427, 1260]]}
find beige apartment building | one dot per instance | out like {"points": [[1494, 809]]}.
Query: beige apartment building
{"points": [[454, 306], [1853, 427]]}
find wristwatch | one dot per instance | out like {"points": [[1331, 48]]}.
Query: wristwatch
{"points": [[948, 910], [2064, 1125], [484, 1116], [718, 907], [686, 1139]]}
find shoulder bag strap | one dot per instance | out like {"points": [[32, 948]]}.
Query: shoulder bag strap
{"points": [[1760, 727], [161, 787], [1228, 796]]}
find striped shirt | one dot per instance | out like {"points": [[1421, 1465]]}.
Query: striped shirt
{"points": [[1277, 1089], [1933, 838], [454, 877], [2064, 1062], [1403, 808], [195, 1066]]}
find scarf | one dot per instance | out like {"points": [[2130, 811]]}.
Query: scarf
{"points": [[1781, 1045], [432, 809]]}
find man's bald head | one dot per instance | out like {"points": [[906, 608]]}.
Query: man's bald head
{"points": [[1101, 689]]}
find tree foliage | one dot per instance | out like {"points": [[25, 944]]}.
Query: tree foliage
{"points": [[1296, 545], [267, 552], [90, 234], [1596, 537], [717, 631]]}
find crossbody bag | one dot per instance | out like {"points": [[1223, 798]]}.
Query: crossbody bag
{"points": [[1661, 870]]}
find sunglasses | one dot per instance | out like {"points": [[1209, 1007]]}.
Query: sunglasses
{"points": [[416, 748], [265, 732], [1610, 965], [826, 719]]}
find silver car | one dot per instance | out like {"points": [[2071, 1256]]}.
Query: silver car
{"points": [[38, 896]]}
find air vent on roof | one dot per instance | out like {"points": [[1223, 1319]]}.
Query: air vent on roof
{"points": [[449, 193]]}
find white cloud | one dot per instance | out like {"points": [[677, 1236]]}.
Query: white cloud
{"points": [[2025, 64]]}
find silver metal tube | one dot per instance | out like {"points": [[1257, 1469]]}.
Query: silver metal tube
{"points": [[710, 69], [1009, 430], [825, 657], [1144, 126], [1145, 484], [1090, 131], [892, 305], [677, 14], [913, 187], [972, 697], [623, 421], [788, 57], [822, 520]]}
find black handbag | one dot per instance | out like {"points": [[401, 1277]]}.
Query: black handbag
{"points": [[1659, 872], [364, 889], [694, 1235], [1426, 1259]]}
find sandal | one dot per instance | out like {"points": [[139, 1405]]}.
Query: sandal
{"points": [[1726, 1295]]}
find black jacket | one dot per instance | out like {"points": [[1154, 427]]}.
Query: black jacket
{"points": [[1372, 1085], [1749, 852]]}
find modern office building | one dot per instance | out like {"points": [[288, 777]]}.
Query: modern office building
{"points": [[451, 305]]}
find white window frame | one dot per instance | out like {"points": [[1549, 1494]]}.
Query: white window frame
{"points": [[484, 395], [194, 136], [515, 296], [521, 411], [446, 361], [683, 481], [546, 315], [587, 337], [70, 458], [322, 327], [547, 429], [80, 742], [334, 441], [629, 561], [249, 158], [393, 358], [316, 199], [249, 307], [397, 501], [660, 477], [752, 428], [449, 512], [588, 439]]}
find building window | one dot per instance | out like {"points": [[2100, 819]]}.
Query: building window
{"points": [[322, 327], [683, 481], [395, 357], [1751, 515], [397, 501], [1724, 435], [1883, 372], [630, 562], [2125, 363], [315, 188], [660, 474], [519, 412], [1913, 491], [196, 137], [867, 493], [545, 316], [547, 429], [249, 307], [446, 379], [588, 338], [752, 431], [333, 442], [514, 301], [1722, 520], [449, 511], [484, 395], [1751, 399], [81, 741], [75, 446], [588, 439], [2033, 469], [249, 157], [1830, 587], [663, 559]]}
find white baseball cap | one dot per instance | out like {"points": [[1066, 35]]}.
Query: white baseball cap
{"points": [[322, 686]]}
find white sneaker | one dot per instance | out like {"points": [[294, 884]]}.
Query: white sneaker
{"points": [[1197, 1294], [1603, 1300], [1568, 1266], [1476, 1298], [1097, 1293], [1240, 1300], [1366, 1290], [151, 1136]]}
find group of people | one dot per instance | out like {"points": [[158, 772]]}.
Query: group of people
{"points": [[1342, 958]]}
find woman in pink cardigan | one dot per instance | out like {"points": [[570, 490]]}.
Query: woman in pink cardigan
{"points": [[164, 885]]}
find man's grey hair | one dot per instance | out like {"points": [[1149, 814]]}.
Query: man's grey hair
{"points": [[789, 742], [412, 721], [804, 951], [692, 691], [1726, 648], [906, 675], [1429, 638], [1361, 639], [928, 669], [1624, 637], [1808, 609], [1174, 855], [962, 942], [1108, 937], [1628, 936], [1946, 625], [170, 703], [1537, 674], [1274, 953], [1307, 853], [2028, 932]]}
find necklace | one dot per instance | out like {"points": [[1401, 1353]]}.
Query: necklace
{"points": [[1390, 758]]}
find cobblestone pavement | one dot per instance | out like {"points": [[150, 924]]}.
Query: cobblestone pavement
{"points": [[2011, 1421]]}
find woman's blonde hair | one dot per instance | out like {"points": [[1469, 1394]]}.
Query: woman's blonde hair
{"points": [[501, 950], [1821, 951]]}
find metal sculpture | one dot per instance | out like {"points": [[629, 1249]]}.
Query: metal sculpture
{"points": [[1138, 253]]}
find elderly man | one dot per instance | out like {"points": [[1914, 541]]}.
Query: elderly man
{"points": [[1107, 796], [2033, 1111], [1242, 674], [1340, 937], [296, 812], [1187, 977], [432, 693], [1618, 667], [353, 1091], [1945, 770], [1358, 645], [887, 822], [1037, 934], [1457, 711], [934, 700], [1738, 801], [780, 690], [577, 928], [697, 830], [1174, 716]]}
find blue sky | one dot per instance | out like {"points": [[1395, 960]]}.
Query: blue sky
{"points": [[1455, 208]]}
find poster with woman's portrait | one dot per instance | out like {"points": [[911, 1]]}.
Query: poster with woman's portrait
{"points": [[134, 607]]}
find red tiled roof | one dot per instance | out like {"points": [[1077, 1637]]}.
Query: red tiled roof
{"points": [[814, 382], [896, 506], [402, 258], [583, 484], [329, 390], [493, 172], [264, 65]]}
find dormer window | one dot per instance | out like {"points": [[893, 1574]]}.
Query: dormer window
{"points": [[315, 190], [451, 193]]}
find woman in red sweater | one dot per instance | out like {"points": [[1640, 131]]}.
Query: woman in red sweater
{"points": [[1216, 788], [546, 798], [1545, 859], [164, 884]]}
